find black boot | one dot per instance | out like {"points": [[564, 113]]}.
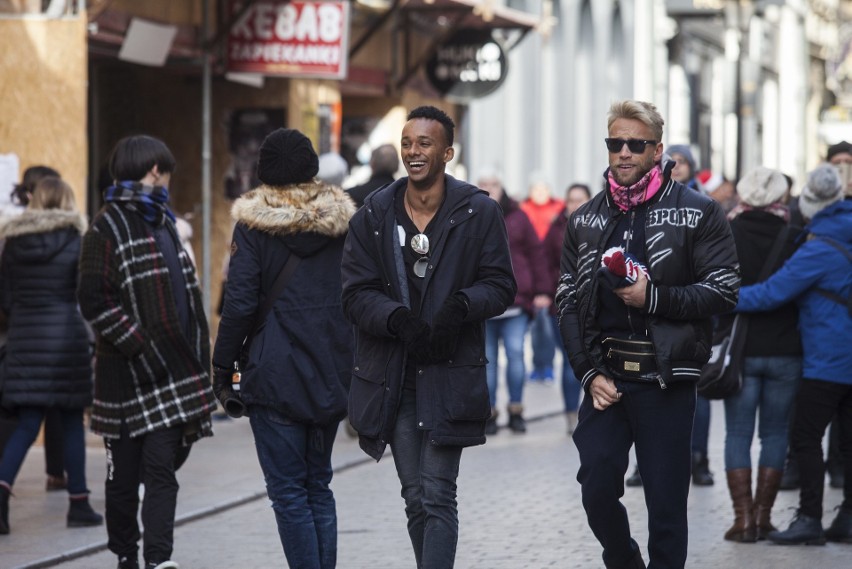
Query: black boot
{"points": [[81, 514], [4, 510], [840, 529], [634, 479], [491, 423], [517, 424], [701, 475], [790, 479], [803, 530]]}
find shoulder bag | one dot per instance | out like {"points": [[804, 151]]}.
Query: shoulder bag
{"points": [[721, 376]]}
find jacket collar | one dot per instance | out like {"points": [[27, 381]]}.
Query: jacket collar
{"points": [[458, 192], [297, 208], [41, 221]]}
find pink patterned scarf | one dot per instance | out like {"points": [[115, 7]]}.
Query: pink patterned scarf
{"points": [[643, 190]]}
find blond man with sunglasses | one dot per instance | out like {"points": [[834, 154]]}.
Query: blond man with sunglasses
{"points": [[637, 340]]}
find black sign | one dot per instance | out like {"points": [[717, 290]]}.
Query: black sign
{"points": [[470, 64]]}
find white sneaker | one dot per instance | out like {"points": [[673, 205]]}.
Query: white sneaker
{"points": [[163, 565]]}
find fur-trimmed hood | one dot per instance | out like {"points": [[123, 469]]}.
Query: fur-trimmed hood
{"points": [[309, 207], [41, 221]]}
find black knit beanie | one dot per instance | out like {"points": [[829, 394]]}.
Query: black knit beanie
{"points": [[286, 157]]}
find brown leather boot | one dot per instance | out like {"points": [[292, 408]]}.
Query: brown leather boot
{"points": [[739, 485], [768, 483]]}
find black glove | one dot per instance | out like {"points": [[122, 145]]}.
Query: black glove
{"points": [[447, 325], [413, 332], [224, 392]]}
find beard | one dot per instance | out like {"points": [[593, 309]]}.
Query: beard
{"points": [[629, 178]]}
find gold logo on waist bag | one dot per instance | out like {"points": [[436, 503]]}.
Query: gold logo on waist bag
{"points": [[632, 366]]}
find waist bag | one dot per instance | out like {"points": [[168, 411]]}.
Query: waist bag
{"points": [[631, 360]]}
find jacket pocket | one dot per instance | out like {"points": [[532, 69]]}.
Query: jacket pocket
{"points": [[366, 401], [466, 395]]}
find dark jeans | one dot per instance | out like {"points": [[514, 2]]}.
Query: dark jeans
{"points": [[701, 426], [816, 404], [428, 476], [659, 423], [296, 463], [149, 458], [53, 443], [73, 446]]}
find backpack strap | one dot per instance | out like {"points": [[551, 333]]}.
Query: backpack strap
{"points": [[827, 293]]}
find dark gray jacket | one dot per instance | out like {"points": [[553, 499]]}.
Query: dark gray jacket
{"points": [[470, 254]]}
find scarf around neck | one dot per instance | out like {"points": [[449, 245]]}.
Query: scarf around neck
{"points": [[151, 202], [626, 197], [777, 209]]}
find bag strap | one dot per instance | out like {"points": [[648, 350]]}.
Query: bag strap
{"points": [[277, 288], [827, 293], [774, 253]]}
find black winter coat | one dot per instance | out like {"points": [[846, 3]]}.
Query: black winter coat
{"points": [[773, 333], [692, 261], [300, 357], [48, 359], [469, 254]]}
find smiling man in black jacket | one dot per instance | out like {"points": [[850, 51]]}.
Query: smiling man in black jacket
{"points": [[425, 263], [645, 264]]}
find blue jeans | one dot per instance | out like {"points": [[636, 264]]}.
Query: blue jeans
{"points": [[73, 444], [296, 463], [512, 330], [570, 384], [769, 388], [428, 476], [543, 341]]}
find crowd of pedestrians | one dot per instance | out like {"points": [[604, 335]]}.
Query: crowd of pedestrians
{"points": [[387, 305]]}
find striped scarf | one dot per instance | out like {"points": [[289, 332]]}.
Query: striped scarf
{"points": [[149, 201]]}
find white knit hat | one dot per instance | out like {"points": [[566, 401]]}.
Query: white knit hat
{"points": [[762, 186], [823, 189]]}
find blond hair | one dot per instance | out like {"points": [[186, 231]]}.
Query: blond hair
{"points": [[52, 193], [646, 113]]}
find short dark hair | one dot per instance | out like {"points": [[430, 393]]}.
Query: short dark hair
{"points": [[32, 175], [578, 186], [134, 156], [435, 114], [385, 160]]}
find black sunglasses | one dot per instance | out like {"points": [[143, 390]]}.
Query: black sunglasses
{"points": [[635, 145]]}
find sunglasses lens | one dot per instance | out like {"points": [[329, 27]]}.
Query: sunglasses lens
{"points": [[420, 244], [420, 267], [636, 146], [614, 144]]}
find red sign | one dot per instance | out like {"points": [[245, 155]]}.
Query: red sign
{"points": [[293, 39]]}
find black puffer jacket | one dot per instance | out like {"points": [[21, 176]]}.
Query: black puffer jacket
{"points": [[48, 359], [300, 358], [469, 254], [692, 260]]}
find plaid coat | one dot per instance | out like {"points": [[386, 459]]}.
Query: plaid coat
{"points": [[147, 371]]}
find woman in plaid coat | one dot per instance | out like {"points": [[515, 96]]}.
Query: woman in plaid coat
{"points": [[139, 291]]}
